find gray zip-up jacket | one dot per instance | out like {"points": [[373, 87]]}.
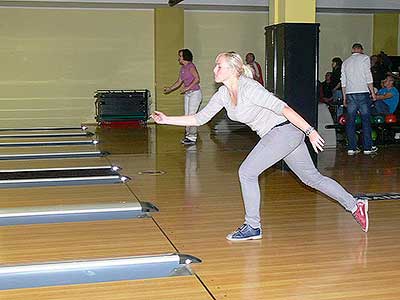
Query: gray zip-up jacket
{"points": [[256, 107]]}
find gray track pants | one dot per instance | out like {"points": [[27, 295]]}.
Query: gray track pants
{"points": [[284, 142], [192, 101]]}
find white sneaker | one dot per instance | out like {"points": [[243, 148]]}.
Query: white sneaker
{"points": [[187, 141], [353, 152], [373, 150]]}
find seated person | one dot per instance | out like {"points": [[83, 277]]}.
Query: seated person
{"points": [[336, 83], [378, 71], [387, 98], [327, 96], [326, 87]]}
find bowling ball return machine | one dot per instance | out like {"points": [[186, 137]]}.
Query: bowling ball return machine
{"points": [[385, 129]]}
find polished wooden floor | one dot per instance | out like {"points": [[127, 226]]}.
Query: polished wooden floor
{"points": [[311, 248]]}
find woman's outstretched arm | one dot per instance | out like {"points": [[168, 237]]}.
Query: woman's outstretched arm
{"points": [[161, 118], [173, 87]]}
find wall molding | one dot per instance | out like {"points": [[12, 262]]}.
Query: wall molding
{"points": [[323, 6]]}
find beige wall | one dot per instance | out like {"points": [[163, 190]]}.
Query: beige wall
{"points": [[54, 59], [208, 33], [169, 38], [337, 34], [386, 33], [292, 11]]}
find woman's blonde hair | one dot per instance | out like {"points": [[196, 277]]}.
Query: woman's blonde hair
{"points": [[236, 62]]}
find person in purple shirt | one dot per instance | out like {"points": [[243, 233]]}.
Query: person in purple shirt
{"points": [[190, 79]]}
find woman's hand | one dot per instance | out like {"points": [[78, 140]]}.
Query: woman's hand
{"points": [[159, 117], [167, 90], [316, 141]]}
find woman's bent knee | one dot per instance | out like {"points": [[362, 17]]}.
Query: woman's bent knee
{"points": [[246, 174]]}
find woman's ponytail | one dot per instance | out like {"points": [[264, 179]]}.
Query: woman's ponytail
{"points": [[247, 71], [235, 62]]}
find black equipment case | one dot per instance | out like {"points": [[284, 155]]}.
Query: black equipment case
{"points": [[122, 105]]}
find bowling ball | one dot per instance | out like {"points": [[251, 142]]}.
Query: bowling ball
{"points": [[358, 120], [379, 119], [390, 119], [342, 120], [358, 137], [374, 135], [372, 119]]}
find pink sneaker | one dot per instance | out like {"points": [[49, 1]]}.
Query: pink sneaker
{"points": [[361, 214]]}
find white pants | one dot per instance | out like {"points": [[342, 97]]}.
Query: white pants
{"points": [[192, 104]]}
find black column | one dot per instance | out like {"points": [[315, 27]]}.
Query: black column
{"points": [[292, 51]]}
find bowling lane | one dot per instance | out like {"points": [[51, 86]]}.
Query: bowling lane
{"points": [[43, 134], [45, 128], [15, 152], [44, 142], [64, 195], [53, 163], [168, 288], [30, 244]]}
